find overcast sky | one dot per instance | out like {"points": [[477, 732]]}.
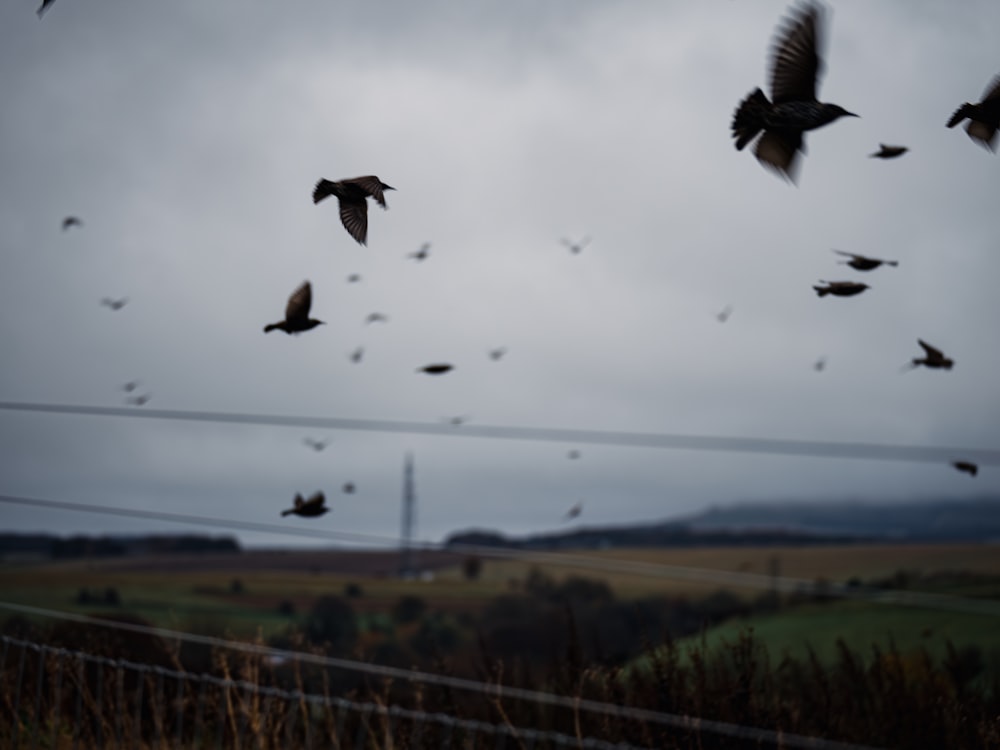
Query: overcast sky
{"points": [[188, 137]]}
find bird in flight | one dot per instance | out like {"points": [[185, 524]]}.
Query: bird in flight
{"points": [[377, 317], [422, 253], [984, 117], [933, 358], [863, 262], [497, 354], [314, 506], [796, 63], [840, 288], [353, 196], [436, 369], [357, 354], [723, 315], [44, 7], [888, 152], [115, 304], [130, 386], [354, 278], [297, 312], [457, 420], [576, 247], [573, 512], [349, 488], [573, 454], [967, 466], [820, 364], [71, 221], [316, 445], [140, 400]]}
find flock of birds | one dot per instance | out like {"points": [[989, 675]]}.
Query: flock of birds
{"points": [[776, 125]]}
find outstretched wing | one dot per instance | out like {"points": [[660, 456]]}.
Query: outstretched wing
{"points": [[778, 150], [299, 303], [932, 353], [795, 58], [372, 186], [354, 217]]}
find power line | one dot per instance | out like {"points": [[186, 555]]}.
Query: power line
{"points": [[667, 441], [894, 597]]}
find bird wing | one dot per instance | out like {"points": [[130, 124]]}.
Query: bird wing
{"points": [[372, 186], [985, 134], [932, 352], [299, 303], [795, 60], [354, 217], [323, 189], [317, 500], [778, 150], [992, 92], [847, 254]]}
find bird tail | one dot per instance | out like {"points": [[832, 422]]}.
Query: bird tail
{"points": [[287, 512], [822, 291], [271, 326], [749, 118], [323, 189], [961, 113]]}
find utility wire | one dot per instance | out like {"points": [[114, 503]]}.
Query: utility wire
{"points": [[669, 441], [895, 597]]}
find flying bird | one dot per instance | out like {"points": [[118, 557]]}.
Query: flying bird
{"points": [[422, 253], [353, 197], [820, 364], [316, 445], [723, 315], [357, 354], [796, 63], [130, 386], [984, 117], [115, 304], [573, 512], [377, 317], [840, 288], [576, 247], [573, 454], [354, 278], [863, 262], [436, 369], [497, 354], [44, 7], [933, 358], [71, 221], [349, 488], [888, 152], [140, 400], [314, 506], [457, 421], [967, 466], [297, 312]]}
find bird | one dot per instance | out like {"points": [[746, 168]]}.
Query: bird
{"points": [[863, 262], [888, 152], [316, 445], [820, 364], [297, 312], [795, 65], [377, 317], [984, 117], [44, 7], [576, 247], [348, 488], [130, 386], [421, 253], [457, 420], [436, 369], [314, 506], [353, 196], [967, 466], [497, 354], [140, 400], [573, 512], [933, 358], [354, 278], [357, 354], [840, 288], [572, 455], [723, 315], [115, 304], [71, 221]]}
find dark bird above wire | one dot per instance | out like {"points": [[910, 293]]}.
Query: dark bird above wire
{"points": [[723, 315], [314, 506], [984, 117], [353, 196], [888, 152], [795, 63], [967, 466], [44, 7], [115, 304], [497, 354], [933, 358], [863, 262], [436, 369], [457, 420], [71, 221], [573, 512], [422, 253], [140, 400], [840, 288], [296, 312], [377, 317], [576, 247], [316, 445]]}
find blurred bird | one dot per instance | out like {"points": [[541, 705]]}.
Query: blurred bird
{"points": [[377, 317], [888, 152], [44, 7], [984, 117], [795, 65], [576, 247], [820, 364], [71, 221], [353, 197], [115, 304], [863, 262], [573, 512], [497, 354], [297, 312], [573, 454], [348, 488], [723, 316], [967, 466], [357, 354], [436, 369], [422, 253], [840, 288], [316, 445], [354, 278], [140, 400], [314, 506], [933, 358], [457, 421], [130, 386]]}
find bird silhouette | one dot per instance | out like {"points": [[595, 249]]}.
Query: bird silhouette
{"points": [[297, 312], [349, 488], [723, 315], [573, 454], [795, 63], [357, 355], [353, 196], [140, 400], [422, 253], [354, 278], [130, 386], [44, 7], [457, 420], [863, 262], [436, 369], [316, 445], [820, 364], [576, 247], [933, 358], [573, 512], [115, 304], [71, 221], [497, 354], [984, 117], [888, 152], [377, 317], [314, 506], [967, 466], [840, 288]]}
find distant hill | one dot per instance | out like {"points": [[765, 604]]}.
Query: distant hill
{"points": [[46, 546]]}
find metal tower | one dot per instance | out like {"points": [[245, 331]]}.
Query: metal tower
{"points": [[407, 564]]}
